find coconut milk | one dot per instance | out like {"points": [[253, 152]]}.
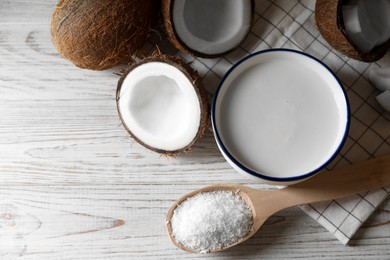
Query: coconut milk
{"points": [[280, 118]]}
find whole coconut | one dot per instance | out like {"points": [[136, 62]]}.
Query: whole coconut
{"points": [[100, 34]]}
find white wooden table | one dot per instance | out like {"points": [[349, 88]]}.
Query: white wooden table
{"points": [[73, 185]]}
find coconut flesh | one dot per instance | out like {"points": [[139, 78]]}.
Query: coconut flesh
{"points": [[367, 23], [208, 27], [160, 106], [356, 28]]}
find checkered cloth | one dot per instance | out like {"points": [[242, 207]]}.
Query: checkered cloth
{"points": [[291, 24]]}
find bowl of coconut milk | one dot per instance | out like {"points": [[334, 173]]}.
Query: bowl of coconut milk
{"points": [[280, 116]]}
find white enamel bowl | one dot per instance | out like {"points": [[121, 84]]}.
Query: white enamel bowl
{"points": [[280, 116]]}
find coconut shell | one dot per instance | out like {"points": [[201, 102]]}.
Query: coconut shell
{"points": [[173, 37], [100, 34], [193, 76], [329, 20]]}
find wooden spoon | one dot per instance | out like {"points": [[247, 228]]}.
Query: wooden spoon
{"points": [[365, 176]]}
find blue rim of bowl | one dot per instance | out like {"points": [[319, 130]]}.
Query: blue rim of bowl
{"points": [[260, 175]]}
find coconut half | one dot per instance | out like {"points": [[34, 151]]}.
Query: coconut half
{"points": [[359, 29], [207, 28], [162, 104]]}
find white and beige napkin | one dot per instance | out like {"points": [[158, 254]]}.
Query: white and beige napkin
{"points": [[343, 217], [291, 24]]}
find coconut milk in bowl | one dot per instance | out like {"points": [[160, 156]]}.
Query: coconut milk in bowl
{"points": [[280, 116]]}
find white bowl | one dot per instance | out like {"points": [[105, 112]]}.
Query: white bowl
{"points": [[280, 116]]}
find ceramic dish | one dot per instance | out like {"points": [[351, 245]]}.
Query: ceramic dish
{"points": [[280, 116]]}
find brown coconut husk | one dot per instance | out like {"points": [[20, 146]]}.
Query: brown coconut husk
{"points": [[329, 19], [100, 34], [173, 37], [193, 76]]}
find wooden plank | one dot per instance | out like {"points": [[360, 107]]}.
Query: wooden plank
{"points": [[126, 222]]}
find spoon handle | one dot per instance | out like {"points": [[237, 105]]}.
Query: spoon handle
{"points": [[369, 175]]}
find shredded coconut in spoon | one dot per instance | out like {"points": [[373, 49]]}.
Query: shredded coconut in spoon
{"points": [[211, 220]]}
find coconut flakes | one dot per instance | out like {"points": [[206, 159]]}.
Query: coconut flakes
{"points": [[212, 220]]}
